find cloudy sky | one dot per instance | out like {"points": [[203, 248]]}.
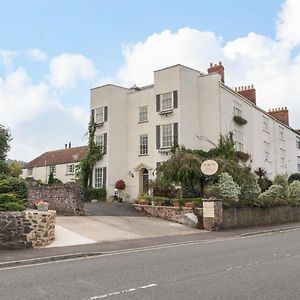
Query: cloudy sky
{"points": [[53, 52]]}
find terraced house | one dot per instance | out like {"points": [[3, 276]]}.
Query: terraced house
{"points": [[138, 126]]}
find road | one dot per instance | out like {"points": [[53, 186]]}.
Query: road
{"points": [[255, 267]]}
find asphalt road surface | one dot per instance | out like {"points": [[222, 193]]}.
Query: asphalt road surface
{"points": [[256, 267]]}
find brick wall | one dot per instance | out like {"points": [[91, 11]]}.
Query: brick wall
{"points": [[65, 199]]}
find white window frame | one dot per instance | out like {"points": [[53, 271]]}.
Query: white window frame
{"points": [[99, 141], [267, 151], [98, 178], [52, 169], [99, 115], [166, 101], [30, 172], [143, 114], [144, 144], [237, 109], [297, 142], [167, 141], [70, 169], [298, 163], [238, 140], [281, 133], [265, 123], [282, 158]]}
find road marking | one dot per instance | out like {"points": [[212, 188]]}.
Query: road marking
{"points": [[141, 249], [118, 293]]}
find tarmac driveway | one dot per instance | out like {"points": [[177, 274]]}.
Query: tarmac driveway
{"points": [[113, 222]]}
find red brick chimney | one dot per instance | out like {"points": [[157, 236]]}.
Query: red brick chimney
{"points": [[217, 69], [281, 114], [248, 92]]}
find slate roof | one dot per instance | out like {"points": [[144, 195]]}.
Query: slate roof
{"points": [[58, 157]]}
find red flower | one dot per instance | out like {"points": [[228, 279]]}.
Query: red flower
{"points": [[120, 185]]}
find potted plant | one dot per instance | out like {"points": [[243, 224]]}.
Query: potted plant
{"points": [[120, 186], [41, 205]]}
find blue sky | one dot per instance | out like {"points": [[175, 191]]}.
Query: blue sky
{"points": [[53, 52]]}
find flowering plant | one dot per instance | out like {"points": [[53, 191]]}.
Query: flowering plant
{"points": [[39, 202], [120, 185]]}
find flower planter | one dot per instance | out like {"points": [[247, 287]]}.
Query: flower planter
{"points": [[189, 205], [43, 207]]}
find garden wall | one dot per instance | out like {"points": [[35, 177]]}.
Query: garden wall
{"points": [[26, 229], [242, 217], [65, 199], [170, 213]]}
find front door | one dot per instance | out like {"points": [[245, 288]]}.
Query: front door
{"points": [[145, 181]]}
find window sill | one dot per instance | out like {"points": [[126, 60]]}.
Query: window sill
{"points": [[144, 154], [141, 122], [268, 160], [166, 112]]}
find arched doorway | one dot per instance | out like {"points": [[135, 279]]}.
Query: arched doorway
{"points": [[144, 181]]}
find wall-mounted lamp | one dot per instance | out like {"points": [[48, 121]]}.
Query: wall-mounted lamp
{"points": [[130, 174]]}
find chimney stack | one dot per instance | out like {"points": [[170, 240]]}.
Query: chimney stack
{"points": [[281, 114], [248, 92], [217, 69]]}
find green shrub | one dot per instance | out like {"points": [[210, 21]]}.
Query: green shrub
{"points": [[212, 190], [294, 193], [11, 202], [51, 178], [99, 194], [250, 191], [229, 189], [13, 184], [276, 195], [293, 177]]}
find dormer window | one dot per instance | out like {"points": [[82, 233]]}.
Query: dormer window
{"points": [[166, 102]]}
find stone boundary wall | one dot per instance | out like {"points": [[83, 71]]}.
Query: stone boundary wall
{"points": [[26, 229], [242, 217], [66, 199], [171, 213]]}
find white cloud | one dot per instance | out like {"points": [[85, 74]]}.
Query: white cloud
{"points": [[7, 58], [187, 46], [288, 23], [36, 54], [66, 69]]}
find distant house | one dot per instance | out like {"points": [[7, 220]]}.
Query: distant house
{"points": [[61, 163]]}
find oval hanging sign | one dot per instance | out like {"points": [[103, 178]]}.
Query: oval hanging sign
{"points": [[209, 167]]}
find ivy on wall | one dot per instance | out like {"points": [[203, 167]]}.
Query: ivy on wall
{"points": [[93, 155]]}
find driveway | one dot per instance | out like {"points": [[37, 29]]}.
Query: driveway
{"points": [[113, 222]]}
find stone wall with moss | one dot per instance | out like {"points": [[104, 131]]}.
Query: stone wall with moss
{"points": [[26, 229]]}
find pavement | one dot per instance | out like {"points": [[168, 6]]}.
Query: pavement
{"points": [[117, 227], [254, 267]]}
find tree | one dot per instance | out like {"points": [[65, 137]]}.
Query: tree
{"points": [[51, 178], [5, 138], [229, 189], [183, 169], [15, 169]]}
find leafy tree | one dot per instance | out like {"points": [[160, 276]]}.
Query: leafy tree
{"points": [[15, 169], [262, 179], [5, 138]]}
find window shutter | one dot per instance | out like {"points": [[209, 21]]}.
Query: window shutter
{"points": [[105, 113], [157, 102], [105, 143], [157, 137], [104, 177], [175, 133], [175, 99], [90, 179], [92, 115]]}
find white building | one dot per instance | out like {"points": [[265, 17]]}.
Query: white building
{"points": [[138, 126], [61, 163]]}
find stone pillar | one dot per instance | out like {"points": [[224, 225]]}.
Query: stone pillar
{"points": [[212, 214]]}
